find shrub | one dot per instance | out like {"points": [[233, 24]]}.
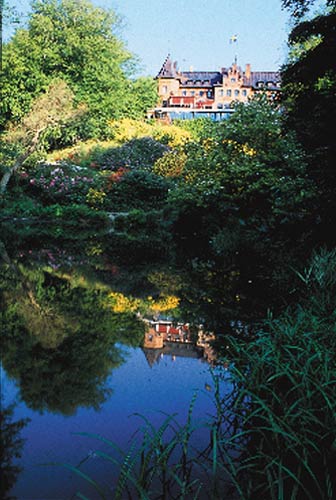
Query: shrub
{"points": [[138, 189], [171, 164], [67, 183], [127, 128], [139, 153]]}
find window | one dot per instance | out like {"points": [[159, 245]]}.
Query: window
{"points": [[201, 93], [233, 80], [236, 93], [164, 89], [221, 92], [229, 92], [244, 93], [192, 92], [184, 92]]}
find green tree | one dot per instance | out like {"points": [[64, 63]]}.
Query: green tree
{"points": [[249, 164], [79, 43], [50, 109], [300, 7], [309, 89]]}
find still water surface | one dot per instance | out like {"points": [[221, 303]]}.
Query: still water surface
{"points": [[168, 386], [73, 361]]}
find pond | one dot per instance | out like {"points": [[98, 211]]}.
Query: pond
{"points": [[136, 388], [74, 320]]}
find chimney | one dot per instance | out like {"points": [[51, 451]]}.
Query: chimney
{"points": [[248, 70]]}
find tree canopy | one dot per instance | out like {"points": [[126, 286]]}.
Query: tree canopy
{"points": [[309, 89], [79, 43], [300, 7]]}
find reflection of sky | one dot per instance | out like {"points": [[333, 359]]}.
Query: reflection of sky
{"points": [[167, 387]]}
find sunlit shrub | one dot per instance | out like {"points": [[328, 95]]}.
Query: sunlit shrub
{"points": [[120, 303], [171, 164], [127, 128], [95, 198], [171, 135], [163, 303]]}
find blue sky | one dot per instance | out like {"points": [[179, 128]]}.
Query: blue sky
{"points": [[197, 32]]}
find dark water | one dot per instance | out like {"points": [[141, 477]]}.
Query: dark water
{"points": [[73, 361]]}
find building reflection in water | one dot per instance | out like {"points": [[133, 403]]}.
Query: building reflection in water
{"points": [[164, 337]]}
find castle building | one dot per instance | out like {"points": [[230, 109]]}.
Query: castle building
{"points": [[188, 94]]}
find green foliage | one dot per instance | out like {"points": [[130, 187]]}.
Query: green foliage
{"points": [[285, 399], [171, 164], [300, 7], [142, 95], [138, 153], [248, 174], [77, 42], [52, 183], [137, 189], [309, 86]]}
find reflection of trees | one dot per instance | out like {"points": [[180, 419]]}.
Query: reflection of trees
{"points": [[10, 448], [60, 347]]}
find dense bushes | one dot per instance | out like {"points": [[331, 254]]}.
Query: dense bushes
{"points": [[139, 153], [137, 189]]}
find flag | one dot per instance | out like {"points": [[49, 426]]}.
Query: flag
{"points": [[233, 38]]}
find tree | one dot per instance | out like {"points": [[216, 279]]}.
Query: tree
{"points": [[309, 89], [78, 43], [52, 108], [300, 7]]}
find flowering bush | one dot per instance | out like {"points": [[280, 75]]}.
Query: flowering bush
{"points": [[62, 183], [171, 164], [116, 176], [139, 153], [95, 198]]}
